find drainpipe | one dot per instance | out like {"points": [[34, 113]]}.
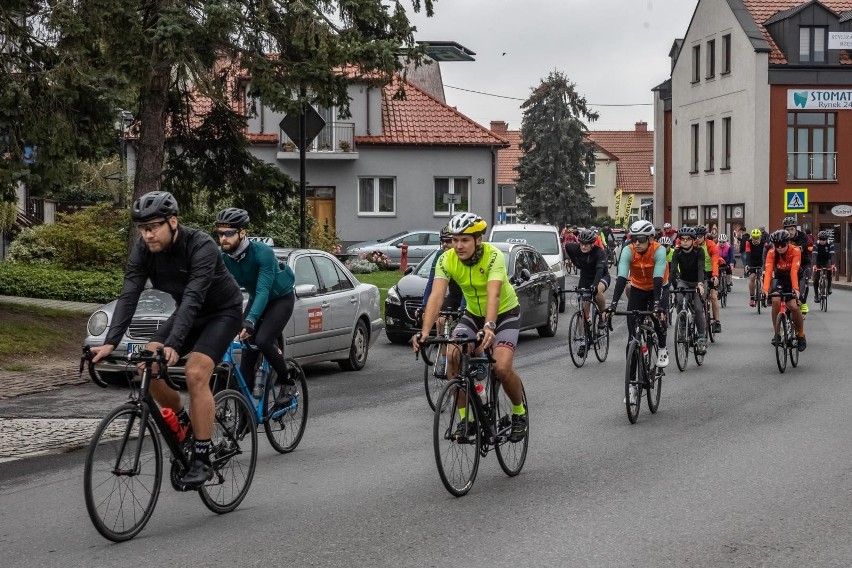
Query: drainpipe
{"points": [[368, 111], [493, 186]]}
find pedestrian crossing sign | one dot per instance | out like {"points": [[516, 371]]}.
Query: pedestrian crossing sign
{"points": [[796, 200]]}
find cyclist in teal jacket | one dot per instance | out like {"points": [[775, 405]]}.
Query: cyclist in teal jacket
{"points": [[271, 297]]}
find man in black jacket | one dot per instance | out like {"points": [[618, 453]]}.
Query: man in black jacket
{"points": [[687, 271], [186, 264], [590, 259]]}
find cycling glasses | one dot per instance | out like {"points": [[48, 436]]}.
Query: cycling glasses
{"points": [[227, 233], [150, 227], [641, 239]]}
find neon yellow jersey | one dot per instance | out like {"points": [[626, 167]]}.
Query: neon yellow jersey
{"points": [[473, 280]]}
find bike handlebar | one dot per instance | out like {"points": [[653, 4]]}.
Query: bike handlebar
{"points": [[476, 340]]}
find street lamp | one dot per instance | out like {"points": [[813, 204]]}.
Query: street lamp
{"points": [[123, 120]]}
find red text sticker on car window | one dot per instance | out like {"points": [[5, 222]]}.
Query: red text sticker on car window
{"points": [[314, 320]]}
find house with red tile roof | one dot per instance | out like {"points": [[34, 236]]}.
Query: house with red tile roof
{"points": [[623, 161], [755, 120]]}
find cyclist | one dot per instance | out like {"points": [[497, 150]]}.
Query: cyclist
{"points": [[492, 312], [271, 297], [711, 270], [591, 260], [783, 265], [756, 250], [644, 263], [185, 263], [800, 239], [669, 231], [687, 267], [824, 258], [728, 259]]}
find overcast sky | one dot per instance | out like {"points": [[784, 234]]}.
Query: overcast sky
{"points": [[615, 51]]}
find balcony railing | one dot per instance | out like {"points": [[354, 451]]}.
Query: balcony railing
{"points": [[335, 137], [812, 166]]}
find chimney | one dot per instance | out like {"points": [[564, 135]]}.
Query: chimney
{"points": [[499, 127], [640, 126]]}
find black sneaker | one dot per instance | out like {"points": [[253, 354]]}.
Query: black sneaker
{"points": [[465, 430], [285, 397], [199, 473], [519, 428], [776, 340], [803, 343], [717, 326]]}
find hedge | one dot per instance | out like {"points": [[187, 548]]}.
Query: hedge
{"points": [[54, 283]]}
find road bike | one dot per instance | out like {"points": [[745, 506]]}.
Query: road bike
{"points": [[786, 343], [686, 333], [822, 276], [124, 462], [488, 412], [758, 288], [641, 375], [722, 288], [586, 333], [284, 425], [435, 360]]}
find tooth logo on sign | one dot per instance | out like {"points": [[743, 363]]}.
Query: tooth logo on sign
{"points": [[800, 98]]}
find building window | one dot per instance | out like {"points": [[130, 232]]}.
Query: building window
{"points": [[688, 216], [696, 63], [590, 181], [711, 59], [726, 54], [811, 153], [726, 143], [377, 196], [460, 186], [812, 42], [693, 163], [711, 133], [711, 215]]}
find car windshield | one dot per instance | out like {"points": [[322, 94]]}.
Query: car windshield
{"points": [[545, 242], [425, 265], [392, 237]]}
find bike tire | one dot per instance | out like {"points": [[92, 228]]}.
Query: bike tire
{"points": [[759, 301], [601, 343], [457, 462], [723, 298], [574, 342], [633, 379], [823, 293], [793, 345], [653, 379], [511, 456], [709, 325], [284, 430], [120, 505], [233, 455], [431, 383], [681, 341], [781, 347], [693, 333]]}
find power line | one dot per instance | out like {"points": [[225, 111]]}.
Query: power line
{"points": [[519, 99]]}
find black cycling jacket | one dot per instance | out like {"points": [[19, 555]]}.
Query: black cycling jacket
{"points": [[593, 262], [688, 266], [191, 271]]}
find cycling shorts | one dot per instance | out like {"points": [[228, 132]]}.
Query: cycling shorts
{"points": [[506, 334], [708, 279], [586, 282], [784, 282], [210, 334]]}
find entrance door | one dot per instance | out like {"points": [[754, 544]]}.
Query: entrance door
{"points": [[321, 200]]}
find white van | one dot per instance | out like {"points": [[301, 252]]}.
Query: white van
{"points": [[543, 238]]}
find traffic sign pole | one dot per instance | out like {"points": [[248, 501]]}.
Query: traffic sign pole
{"points": [[303, 208]]}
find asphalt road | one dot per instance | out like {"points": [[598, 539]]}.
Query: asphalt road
{"points": [[742, 466]]}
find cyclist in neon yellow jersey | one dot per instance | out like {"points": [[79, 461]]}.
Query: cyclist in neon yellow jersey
{"points": [[492, 311]]}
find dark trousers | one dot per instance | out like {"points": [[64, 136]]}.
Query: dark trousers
{"points": [[266, 334], [644, 300]]}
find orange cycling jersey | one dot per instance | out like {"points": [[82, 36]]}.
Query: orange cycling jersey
{"points": [[789, 262], [643, 266]]}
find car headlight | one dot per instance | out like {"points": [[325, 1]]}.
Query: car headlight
{"points": [[393, 297], [97, 323], [556, 268]]}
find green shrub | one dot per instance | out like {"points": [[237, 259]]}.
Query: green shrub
{"points": [[54, 283]]}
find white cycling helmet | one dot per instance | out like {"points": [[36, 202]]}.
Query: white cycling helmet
{"points": [[665, 241], [667, 226], [723, 238], [642, 227], [467, 223]]}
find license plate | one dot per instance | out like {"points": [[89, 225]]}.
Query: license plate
{"points": [[135, 347]]}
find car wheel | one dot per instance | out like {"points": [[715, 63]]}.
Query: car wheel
{"points": [[358, 351], [562, 303], [549, 329], [399, 338]]}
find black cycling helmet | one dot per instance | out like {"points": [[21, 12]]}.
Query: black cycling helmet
{"points": [[700, 231], [686, 232], [788, 222], [446, 233], [779, 236], [823, 235], [154, 204], [233, 217], [586, 237]]}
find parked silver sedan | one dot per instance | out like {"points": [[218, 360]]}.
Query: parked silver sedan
{"points": [[420, 244], [335, 318]]}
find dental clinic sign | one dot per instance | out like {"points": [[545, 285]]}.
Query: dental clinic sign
{"points": [[839, 40], [819, 99]]}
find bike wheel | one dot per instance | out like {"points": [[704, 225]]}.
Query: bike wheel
{"points": [[511, 456], [431, 382], [708, 325], [823, 293], [234, 453], [120, 492], [633, 382], [681, 341], [601, 335], [655, 384], [759, 300], [723, 297], [793, 345], [285, 426], [577, 340], [781, 344], [457, 458], [693, 333]]}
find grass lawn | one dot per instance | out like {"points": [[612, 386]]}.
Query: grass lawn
{"points": [[383, 280], [29, 335]]}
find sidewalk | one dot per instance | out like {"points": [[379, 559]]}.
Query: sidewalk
{"points": [[77, 307]]}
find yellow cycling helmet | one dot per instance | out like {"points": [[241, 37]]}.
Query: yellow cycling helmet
{"points": [[756, 233], [467, 224]]}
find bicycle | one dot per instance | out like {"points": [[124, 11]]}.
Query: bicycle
{"points": [[285, 426], [585, 333], [641, 372], [758, 283], [488, 409], [435, 364], [722, 289], [786, 343], [708, 325], [124, 465], [822, 276], [686, 333]]}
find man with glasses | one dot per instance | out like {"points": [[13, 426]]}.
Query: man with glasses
{"points": [[687, 266], [800, 239], [755, 250], [271, 298], [455, 298], [184, 263], [783, 267], [590, 259]]}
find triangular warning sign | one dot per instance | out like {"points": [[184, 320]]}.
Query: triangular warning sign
{"points": [[795, 202]]}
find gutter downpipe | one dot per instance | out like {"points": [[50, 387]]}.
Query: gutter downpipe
{"points": [[368, 111], [493, 186]]}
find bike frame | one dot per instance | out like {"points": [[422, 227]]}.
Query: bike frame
{"points": [[258, 405]]}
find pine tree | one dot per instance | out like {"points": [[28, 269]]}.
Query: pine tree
{"points": [[556, 156]]}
